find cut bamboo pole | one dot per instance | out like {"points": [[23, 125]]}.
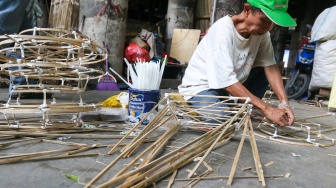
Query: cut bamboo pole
{"points": [[312, 117], [132, 148], [188, 155], [176, 165], [172, 179], [17, 158], [217, 139], [235, 161], [6, 144], [227, 177], [155, 147], [64, 143], [74, 136], [206, 173], [96, 178], [148, 169], [85, 148], [135, 127], [194, 181], [138, 140], [166, 159], [256, 154], [59, 157]]}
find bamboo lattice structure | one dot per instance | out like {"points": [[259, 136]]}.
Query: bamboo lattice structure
{"points": [[303, 133], [51, 61]]}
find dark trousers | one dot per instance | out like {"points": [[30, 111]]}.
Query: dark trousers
{"points": [[256, 83]]}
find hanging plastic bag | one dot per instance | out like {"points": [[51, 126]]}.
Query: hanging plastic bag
{"points": [[133, 52]]}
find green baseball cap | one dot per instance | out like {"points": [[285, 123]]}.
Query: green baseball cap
{"points": [[275, 10]]}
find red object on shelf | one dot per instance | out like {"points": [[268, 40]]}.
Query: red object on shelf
{"points": [[133, 52]]}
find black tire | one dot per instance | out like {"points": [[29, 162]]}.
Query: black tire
{"points": [[299, 87]]}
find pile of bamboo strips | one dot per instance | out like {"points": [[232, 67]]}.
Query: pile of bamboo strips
{"points": [[203, 14], [55, 135], [150, 163], [153, 168], [64, 14]]}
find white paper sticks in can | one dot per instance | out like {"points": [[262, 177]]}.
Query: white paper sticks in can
{"points": [[144, 75]]}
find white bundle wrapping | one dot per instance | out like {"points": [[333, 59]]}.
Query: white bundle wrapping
{"points": [[324, 65], [324, 26]]}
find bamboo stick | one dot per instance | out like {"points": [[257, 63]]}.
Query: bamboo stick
{"points": [[215, 142], [156, 148], [235, 161], [157, 144], [153, 125], [164, 160], [60, 157], [207, 172], [73, 136], [227, 177], [172, 179], [6, 144], [256, 154], [16, 158], [160, 160], [195, 152], [85, 148], [312, 117], [208, 96], [194, 181], [64, 143], [95, 179], [178, 164], [131, 149], [136, 126]]}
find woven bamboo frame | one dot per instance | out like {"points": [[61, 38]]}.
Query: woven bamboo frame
{"points": [[56, 61]]}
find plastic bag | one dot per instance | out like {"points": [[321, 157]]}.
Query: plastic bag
{"points": [[324, 26], [324, 65], [133, 52]]}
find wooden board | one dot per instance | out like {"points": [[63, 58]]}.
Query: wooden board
{"points": [[184, 43]]}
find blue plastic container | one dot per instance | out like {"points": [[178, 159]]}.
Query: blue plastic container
{"points": [[142, 101]]}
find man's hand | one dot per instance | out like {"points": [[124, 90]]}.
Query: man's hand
{"points": [[281, 117], [284, 105]]}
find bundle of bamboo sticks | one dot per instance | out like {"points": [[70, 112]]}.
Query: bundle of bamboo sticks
{"points": [[64, 14], [203, 14], [153, 168]]}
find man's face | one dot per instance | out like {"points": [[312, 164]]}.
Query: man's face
{"points": [[259, 23]]}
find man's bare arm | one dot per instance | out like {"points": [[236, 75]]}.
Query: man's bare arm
{"points": [[275, 80]]}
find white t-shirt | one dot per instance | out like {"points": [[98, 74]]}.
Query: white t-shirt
{"points": [[224, 57]]}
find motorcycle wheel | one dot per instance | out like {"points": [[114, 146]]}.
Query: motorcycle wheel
{"points": [[299, 87]]}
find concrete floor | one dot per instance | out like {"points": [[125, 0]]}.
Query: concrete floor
{"points": [[308, 166]]}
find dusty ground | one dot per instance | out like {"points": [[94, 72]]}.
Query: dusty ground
{"points": [[309, 166]]}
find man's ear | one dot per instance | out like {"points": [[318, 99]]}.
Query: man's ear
{"points": [[247, 9]]}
